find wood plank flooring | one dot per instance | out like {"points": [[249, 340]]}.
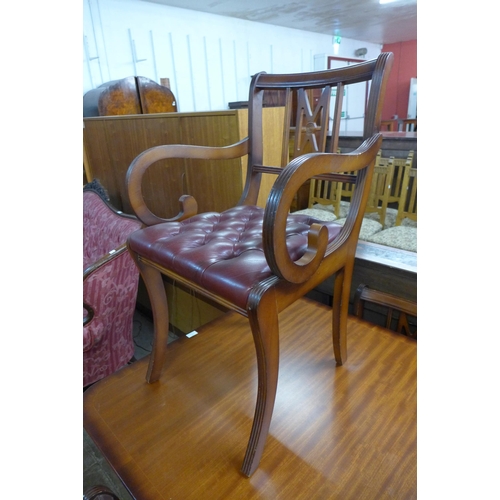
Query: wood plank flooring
{"points": [[344, 432]]}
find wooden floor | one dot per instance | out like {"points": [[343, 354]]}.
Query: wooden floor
{"points": [[344, 432]]}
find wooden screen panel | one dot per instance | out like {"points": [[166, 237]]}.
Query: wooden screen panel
{"points": [[99, 163], [215, 184], [111, 144]]}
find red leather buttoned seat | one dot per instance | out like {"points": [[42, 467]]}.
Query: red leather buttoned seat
{"points": [[221, 252]]}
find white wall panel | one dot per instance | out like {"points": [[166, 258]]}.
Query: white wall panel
{"points": [[184, 91], [241, 69], [214, 73], [261, 58], [228, 71], [95, 66], [209, 59], [141, 52]]}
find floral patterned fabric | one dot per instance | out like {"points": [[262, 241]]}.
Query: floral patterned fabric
{"points": [[390, 217], [103, 229], [403, 237], [317, 213], [110, 290], [368, 227]]}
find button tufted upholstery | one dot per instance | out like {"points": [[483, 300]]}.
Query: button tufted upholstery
{"points": [[221, 252]]}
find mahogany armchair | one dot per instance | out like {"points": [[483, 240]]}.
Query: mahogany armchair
{"points": [[110, 282], [258, 261]]}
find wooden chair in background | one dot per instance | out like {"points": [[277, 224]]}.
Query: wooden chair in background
{"points": [[259, 261], [331, 194], [399, 166], [390, 303], [326, 193], [399, 234], [407, 207], [386, 188], [378, 199], [345, 196]]}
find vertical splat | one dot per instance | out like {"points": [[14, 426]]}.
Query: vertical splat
{"points": [[311, 128]]}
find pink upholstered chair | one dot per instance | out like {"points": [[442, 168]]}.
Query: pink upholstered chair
{"points": [[110, 281]]}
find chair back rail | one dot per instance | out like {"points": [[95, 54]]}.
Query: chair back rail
{"points": [[305, 129]]}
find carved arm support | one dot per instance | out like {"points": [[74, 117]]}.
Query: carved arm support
{"points": [[280, 198], [188, 205]]}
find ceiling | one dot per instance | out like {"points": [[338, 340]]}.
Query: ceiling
{"points": [[364, 20]]}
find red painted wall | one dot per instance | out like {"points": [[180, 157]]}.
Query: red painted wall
{"points": [[398, 88]]}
